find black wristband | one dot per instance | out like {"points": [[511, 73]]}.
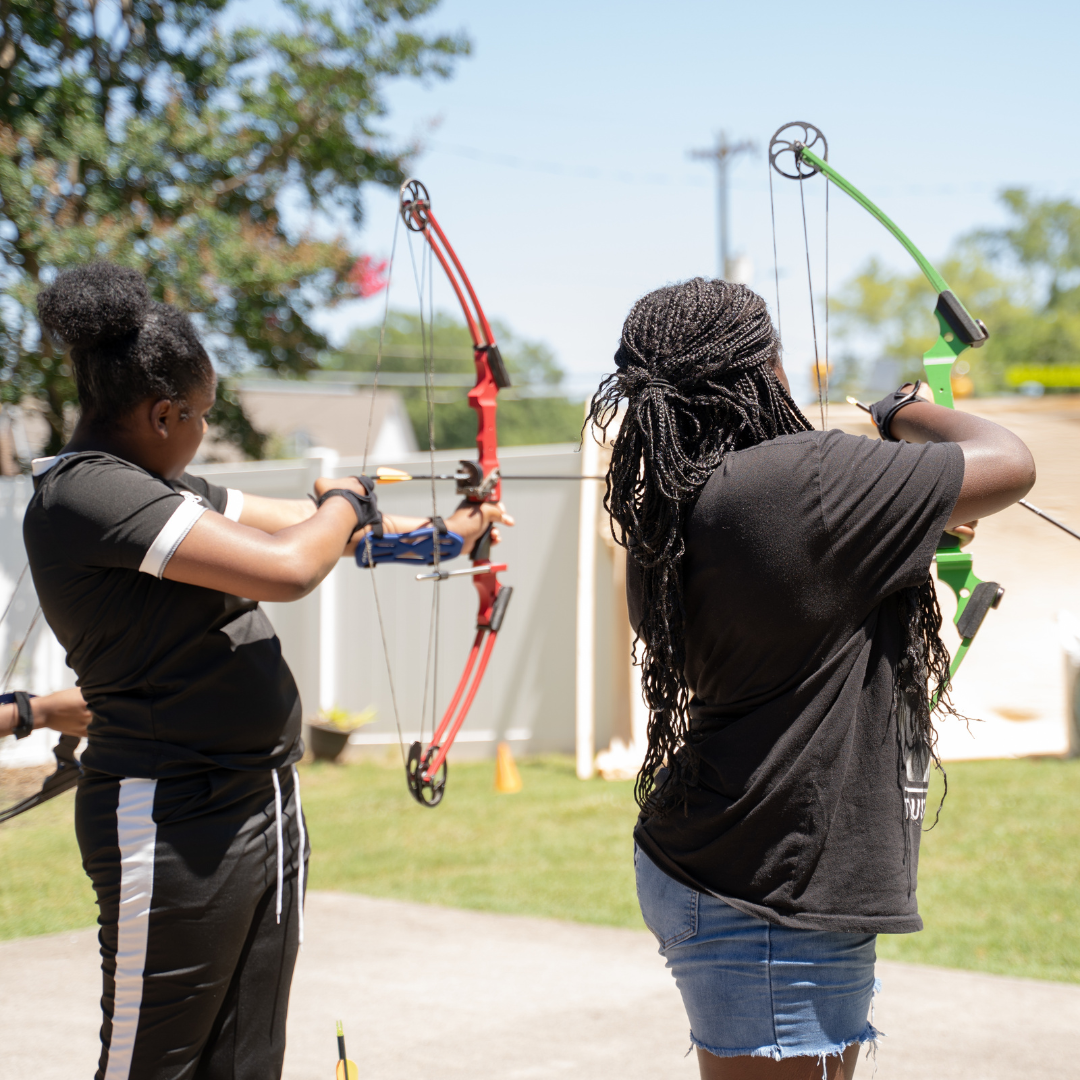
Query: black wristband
{"points": [[366, 506], [883, 411], [25, 724]]}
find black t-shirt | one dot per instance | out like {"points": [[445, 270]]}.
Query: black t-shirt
{"points": [[179, 678], [795, 554]]}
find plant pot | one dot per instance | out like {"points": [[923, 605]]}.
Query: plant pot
{"points": [[327, 742]]}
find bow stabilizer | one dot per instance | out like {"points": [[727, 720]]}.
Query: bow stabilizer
{"points": [[799, 151]]}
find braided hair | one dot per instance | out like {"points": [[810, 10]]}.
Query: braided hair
{"points": [[124, 347], [697, 367]]}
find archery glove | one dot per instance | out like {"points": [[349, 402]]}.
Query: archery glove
{"points": [[883, 411]]}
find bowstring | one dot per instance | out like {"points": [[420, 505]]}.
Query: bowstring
{"points": [[363, 470], [436, 600], [828, 366], [775, 261], [426, 275], [823, 397], [21, 645]]}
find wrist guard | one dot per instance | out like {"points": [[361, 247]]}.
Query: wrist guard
{"points": [[883, 411], [417, 546], [366, 506], [21, 700]]}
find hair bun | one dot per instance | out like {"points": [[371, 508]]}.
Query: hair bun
{"points": [[92, 304]]}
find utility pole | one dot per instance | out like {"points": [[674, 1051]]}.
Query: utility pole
{"points": [[722, 153]]}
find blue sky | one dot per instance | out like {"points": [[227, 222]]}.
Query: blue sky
{"points": [[557, 158]]}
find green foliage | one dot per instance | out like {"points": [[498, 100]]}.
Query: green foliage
{"points": [[999, 877], [142, 133], [43, 888], [539, 415], [1022, 281], [1044, 237], [559, 848]]}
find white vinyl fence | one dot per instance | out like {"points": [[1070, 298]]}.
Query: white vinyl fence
{"points": [[530, 695]]}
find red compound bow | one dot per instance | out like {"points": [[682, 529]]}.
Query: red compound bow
{"points": [[478, 481]]}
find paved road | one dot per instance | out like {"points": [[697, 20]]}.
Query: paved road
{"points": [[428, 991]]}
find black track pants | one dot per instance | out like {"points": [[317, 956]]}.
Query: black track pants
{"points": [[196, 966]]}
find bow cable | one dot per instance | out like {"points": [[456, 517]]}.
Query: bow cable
{"points": [[427, 350], [363, 469], [822, 385]]}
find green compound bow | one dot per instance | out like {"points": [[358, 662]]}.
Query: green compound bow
{"points": [[791, 154]]}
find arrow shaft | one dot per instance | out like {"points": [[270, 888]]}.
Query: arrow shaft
{"points": [[1053, 521]]}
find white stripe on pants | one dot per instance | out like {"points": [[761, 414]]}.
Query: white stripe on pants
{"points": [[136, 834]]}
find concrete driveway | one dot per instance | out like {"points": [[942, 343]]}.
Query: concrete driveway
{"points": [[430, 991]]}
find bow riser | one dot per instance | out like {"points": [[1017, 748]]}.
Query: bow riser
{"points": [[483, 398]]}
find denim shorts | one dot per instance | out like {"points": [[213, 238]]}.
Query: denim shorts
{"points": [[754, 988]]}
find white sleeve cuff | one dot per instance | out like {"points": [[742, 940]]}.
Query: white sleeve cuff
{"points": [[234, 507], [168, 540]]}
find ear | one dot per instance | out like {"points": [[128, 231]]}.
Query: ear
{"points": [[162, 416]]}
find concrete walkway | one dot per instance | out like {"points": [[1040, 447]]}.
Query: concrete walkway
{"points": [[428, 991]]}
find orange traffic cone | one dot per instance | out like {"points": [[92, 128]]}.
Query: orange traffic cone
{"points": [[507, 777]]}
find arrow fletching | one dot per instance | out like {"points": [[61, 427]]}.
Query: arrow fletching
{"points": [[385, 475], [346, 1069]]}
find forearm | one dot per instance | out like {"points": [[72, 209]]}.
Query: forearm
{"points": [[273, 515], [923, 422], [63, 711]]}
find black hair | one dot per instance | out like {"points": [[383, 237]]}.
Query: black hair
{"points": [[697, 367], [124, 347]]}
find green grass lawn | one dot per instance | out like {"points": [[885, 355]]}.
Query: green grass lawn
{"points": [[999, 884]]}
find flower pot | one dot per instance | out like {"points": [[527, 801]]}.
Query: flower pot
{"points": [[327, 742]]}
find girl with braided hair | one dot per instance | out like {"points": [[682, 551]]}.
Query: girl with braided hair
{"points": [[779, 583], [188, 809]]}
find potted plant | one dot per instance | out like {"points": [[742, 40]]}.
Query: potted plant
{"points": [[330, 732]]}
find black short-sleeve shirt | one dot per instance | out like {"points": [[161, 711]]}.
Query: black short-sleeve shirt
{"points": [[179, 678], [796, 552]]}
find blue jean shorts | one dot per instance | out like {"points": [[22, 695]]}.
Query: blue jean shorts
{"points": [[751, 987]]}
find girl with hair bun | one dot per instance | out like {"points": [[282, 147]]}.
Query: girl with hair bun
{"points": [[188, 811], [779, 582]]}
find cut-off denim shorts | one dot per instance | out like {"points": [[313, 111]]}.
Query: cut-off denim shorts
{"points": [[751, 987]]}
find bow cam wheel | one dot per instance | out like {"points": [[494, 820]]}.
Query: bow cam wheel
{"points": [[415, 204], [426, 792], [791, 139]]}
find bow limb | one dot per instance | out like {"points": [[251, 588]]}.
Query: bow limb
{"points": [[479, 482], [957, 331]]}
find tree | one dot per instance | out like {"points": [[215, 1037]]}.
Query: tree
{"points": [[1023, 281], [143, 133], [532, 411]]}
